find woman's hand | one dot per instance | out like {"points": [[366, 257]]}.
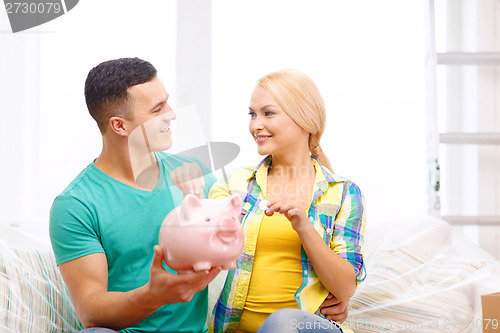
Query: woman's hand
{"points": [[189, 179], [324, 260], [294, 210]]}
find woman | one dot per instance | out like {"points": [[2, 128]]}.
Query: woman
{"points": [[303, 224]]}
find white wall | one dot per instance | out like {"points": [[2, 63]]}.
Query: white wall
{"points": [[367, 58], [47, 135]]}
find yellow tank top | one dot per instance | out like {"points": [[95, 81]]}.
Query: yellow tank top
{"points": [[276, 273]]}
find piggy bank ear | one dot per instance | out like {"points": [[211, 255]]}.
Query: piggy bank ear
{"points": [[234, 203], [190, 201]]}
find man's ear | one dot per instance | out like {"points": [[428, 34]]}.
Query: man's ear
{"points": [[117, 125]]}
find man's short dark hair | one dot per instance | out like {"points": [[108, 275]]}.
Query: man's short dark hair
{"points": [[106, 87]]}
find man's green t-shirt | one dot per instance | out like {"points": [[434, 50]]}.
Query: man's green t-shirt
{"points": [[99, 214]]}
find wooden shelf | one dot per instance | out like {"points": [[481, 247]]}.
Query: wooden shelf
{"points": [[472, 220], [469, 58], [470, 138]]}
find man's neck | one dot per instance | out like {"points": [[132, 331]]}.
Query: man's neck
{"points": [[134, 169]]}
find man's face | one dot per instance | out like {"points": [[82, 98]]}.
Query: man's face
{"points": [[149, 126]]}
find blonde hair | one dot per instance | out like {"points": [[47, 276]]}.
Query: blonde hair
{"points": [[298, 96]]}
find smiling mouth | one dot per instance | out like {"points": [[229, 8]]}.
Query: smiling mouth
{"points": [[166, 130], [262, 138]]}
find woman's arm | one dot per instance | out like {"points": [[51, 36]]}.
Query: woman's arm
{"points": [[219, 191], [337, 274]]}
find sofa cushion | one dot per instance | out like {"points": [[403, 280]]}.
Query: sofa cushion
{"points": [[33, 297], [421, 279]]}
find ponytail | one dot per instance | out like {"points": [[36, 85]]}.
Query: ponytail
{"points": [[317, 152]]}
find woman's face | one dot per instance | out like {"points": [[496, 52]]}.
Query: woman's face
{"points": [[272, 129]]}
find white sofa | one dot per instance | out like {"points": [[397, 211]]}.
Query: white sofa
{"points": [[33, 297], [422, 277]]}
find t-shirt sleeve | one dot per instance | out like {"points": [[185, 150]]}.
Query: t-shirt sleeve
{"points": [[73, 231], [348, 234]]}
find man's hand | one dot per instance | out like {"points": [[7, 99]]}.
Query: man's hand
{"points": [[87, 282], [333, 309], [167, 288], [189, 179]]}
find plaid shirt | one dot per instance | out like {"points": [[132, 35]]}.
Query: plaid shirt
{"points": [[336, 212]]}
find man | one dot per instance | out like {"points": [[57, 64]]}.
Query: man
{"points": [[104, 226]]}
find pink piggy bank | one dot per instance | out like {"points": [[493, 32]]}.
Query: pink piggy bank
{"points": [[201, 234]]}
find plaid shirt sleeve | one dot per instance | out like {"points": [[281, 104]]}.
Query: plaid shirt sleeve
{"points": [[348, 234], [219, 191]]}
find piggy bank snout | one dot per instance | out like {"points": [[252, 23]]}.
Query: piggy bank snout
{"points": [[228, 230]]}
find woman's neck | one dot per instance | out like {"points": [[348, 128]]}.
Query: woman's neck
{"points": [[292, 166], [291, 177]]}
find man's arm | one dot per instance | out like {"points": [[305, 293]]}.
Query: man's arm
{"points": [[87, 281], [335, 310]]}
